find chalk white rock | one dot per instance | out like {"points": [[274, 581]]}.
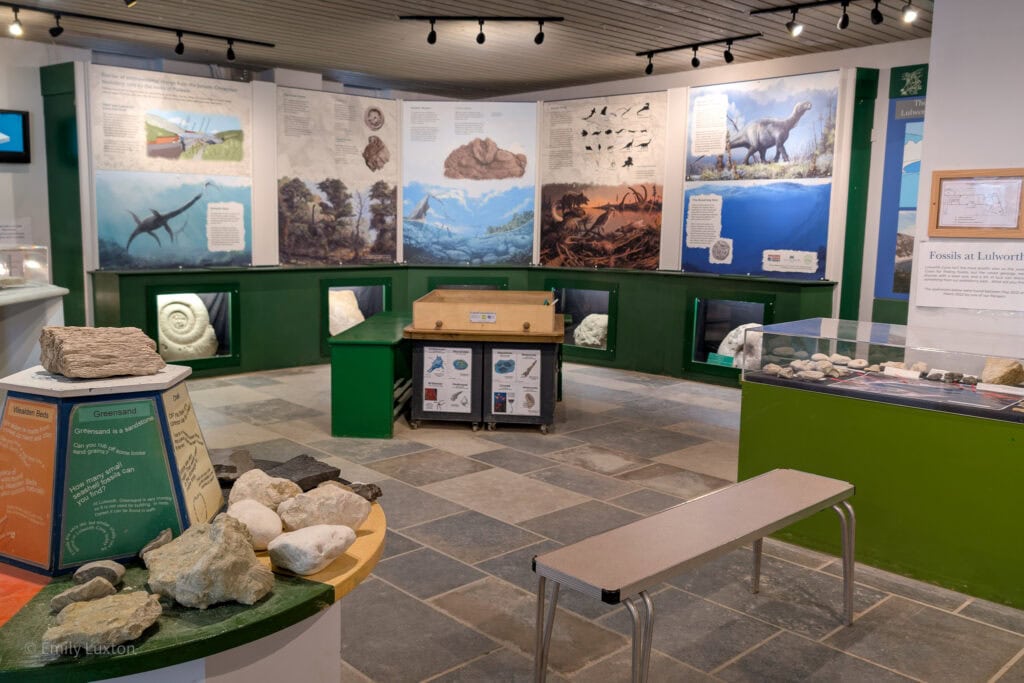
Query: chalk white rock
{"points": [[810, 374], [857, 364], [311, 549], [839, 359], [263, 523], [592, 332], [771, 369], [787, 373], [331, 505], [259, 486], [343, 310], [822, 366], [819, 356]]}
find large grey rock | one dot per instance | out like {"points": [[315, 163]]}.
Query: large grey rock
{"points": [[304, 470], [311, 549], [330, 505], [97, 352], [92, 589], [263, 523], [108, 569], [259, 486], [1005, 371], [98, 625], [208, 564]]}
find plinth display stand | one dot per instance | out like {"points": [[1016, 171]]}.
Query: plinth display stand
{"points": [[95, 469]]}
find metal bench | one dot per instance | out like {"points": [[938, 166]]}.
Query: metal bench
{"points": [[622, 564]]}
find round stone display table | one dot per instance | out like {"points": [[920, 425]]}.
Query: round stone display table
{"points": [[292, 634]]}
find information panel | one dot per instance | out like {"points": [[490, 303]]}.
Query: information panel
{"points": [[447, 379], [515, 382], [117, 493], [28, 438], [199, 483]]}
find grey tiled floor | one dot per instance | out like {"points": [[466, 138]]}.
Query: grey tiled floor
{"points": [[452, 599]]}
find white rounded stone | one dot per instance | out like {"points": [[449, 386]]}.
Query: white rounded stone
{"points": [[857, 364], [311, 549], [263, 523], [261, 487], [330, 505]]}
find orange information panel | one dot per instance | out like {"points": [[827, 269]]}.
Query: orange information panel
{"points": [[28, 441]]}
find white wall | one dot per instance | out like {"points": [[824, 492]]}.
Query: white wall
{"points": [[973, 121]]}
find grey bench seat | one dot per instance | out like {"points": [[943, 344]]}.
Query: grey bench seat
{"points": [[620, 565]]}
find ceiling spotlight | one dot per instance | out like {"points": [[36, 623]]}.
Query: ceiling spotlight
{"points": [[695, 62], [728, 53], [794, 27], [58, 29], [231, 49], [649, 69], [179, 49], [130, 3], [909, 13], [876, 14], [844, 20], [15, 28], [480, 37], [432, 36], [539, 38]]}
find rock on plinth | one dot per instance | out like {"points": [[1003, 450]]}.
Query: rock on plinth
{"points": [[208, 564], [108, 569], [330, 505], [305, 470], [230, 463], [258, 485], [92, 589], [311, 549], [97, 352], [1005, 371], [370, 492], [98, 625], [263, 523]]}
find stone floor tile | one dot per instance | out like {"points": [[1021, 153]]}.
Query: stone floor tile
{"points": [[207, 383], [598, 459], [210, 418], [513, 460], [470, 536], [396, 544], [426, 573], [935, 596], [350, 471], [619, 667], [998, 615], [254, 381], [390, 636], [572, 419], [529, 439], [646, 501], [405, 505], [1015, 673], [674, 481], [279, 450], [426, 467], [811, 559], [269, 411], [635, 438], [237, 434], [928, 643], [453, 438], [500, 666], [713, 458], [585, 404], [708, 431], [579, 522], [228, 396], [505, 495], [584, 482], [350, 674], [508, 615], [308, 430], [364, 451]]}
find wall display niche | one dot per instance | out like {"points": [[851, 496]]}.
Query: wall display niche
{"points": [[172, 166], [759, 176], [468, 173], [347, 302], [591, 316], [602, 181], [197, 325], [338, 175], [722, 328]]}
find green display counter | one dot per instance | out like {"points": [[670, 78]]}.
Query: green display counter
{"points": [[935, 490]]}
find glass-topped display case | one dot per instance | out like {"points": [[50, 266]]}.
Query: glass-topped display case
{"points": [[875, 361], [24, 266]]}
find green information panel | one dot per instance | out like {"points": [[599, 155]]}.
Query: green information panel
{"points": [[117, 493]]}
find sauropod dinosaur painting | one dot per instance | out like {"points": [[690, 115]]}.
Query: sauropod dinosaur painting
{"points": [[761, 135]]}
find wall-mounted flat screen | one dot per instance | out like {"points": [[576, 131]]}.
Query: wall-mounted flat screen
{"points": [[14, 137]]}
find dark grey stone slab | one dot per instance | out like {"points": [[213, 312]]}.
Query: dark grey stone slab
{"points": [[427, 467], [230, 463], [674, 481], [363, 451], [406, 639], [635, 438], [405, 505], [513, 460], [928, 643], [646, 502], [305, 470], [500, 666], [471, 536], [426, 573], [396, 544], [580, 521], [582, 481], [529, 440], [619, 667], [269, 412], [598, 459], [998, 615]]}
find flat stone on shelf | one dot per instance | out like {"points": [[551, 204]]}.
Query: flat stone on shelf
{"points": [[108, 569], [305, 470], [98, 625], [94, 588]]}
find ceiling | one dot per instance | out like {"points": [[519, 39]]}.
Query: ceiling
{"points": [[362, 43]]}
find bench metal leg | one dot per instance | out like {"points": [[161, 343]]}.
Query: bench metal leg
{"points": [[755, 584], [544, 627], [642, 612], [848, 527]]}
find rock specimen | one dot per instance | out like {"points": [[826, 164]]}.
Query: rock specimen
{"points": [[810, 374], [256, 484], [97, 352], [873, 368], [592, 331], [822, 365], [185, 331], [263, 523], [787, 373], [936, 375], [163, 538], [919, 366], [324, 505], [208, 564], [969, 379], [771, 369], [1004, 371], [343, 310], [819, 356], [92, 589], [311, 549], [952, 377], [230, 463], [802, 355], [483, 160], [108, 569], [857, 364], [784, 351], [304, 470], [98, 625], [839, 359], [376, 154], [370, 492], [894, 364]]}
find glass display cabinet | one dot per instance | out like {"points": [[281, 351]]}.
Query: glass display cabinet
{"points": [[27, 266]]}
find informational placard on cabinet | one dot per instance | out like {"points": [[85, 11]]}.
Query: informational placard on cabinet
{"points": [[338, 174], [515, 382], [984, 275], [172, 160], [118, 493], [602, 175], [28, 439], [447, 379], [199, 484]]}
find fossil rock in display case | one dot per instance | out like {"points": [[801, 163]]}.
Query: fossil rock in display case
{"points": [[592, 332], [185, 329], [24, 266], [874, 361], [344, 310]]}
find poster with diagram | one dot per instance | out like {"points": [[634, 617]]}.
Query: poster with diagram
{"points": [[337, 178], [758, 180], [447, 379], [468, 171], [602, 181], [515, 382], [172, 166]]}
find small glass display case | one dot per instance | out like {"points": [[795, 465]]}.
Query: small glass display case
{"points": [[875, 361], [26, 266]]}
